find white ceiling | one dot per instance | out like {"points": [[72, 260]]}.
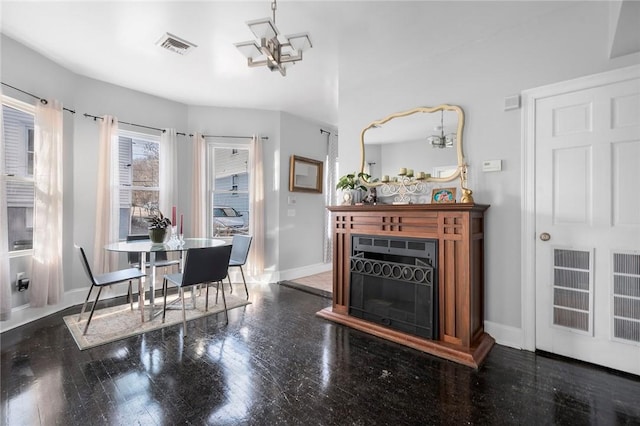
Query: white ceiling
{"points": [[115, 42]]}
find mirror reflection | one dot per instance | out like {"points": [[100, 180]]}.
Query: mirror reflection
{"points": [[423, 143], [403, 140]]}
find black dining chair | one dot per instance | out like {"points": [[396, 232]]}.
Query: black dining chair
{"points": [[201, 266], [108, 278], [239, 254]]}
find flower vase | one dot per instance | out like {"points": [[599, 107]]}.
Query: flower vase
{"points": [[158, 235]]}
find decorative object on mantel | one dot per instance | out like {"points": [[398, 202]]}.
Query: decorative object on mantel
{"points": [[275, 52], [158, 226], [403, 187], [443, 195], [353, 187], [409, 184]]}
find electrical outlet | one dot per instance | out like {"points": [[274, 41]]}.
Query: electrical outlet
{"points": [[22, 283]]}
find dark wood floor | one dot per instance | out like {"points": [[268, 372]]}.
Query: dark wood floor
{"points": [[276, 363]]}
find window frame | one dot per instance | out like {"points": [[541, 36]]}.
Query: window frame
{"points": [[10, 177], [148, 137], [235, 147]]}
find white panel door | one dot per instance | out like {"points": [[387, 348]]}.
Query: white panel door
{"points": [[588, 225]]}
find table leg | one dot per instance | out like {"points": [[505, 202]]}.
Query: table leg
{"points": [[141, 285], [152, 286]]}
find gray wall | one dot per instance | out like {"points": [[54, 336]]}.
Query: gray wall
{"points": [[570, 42], [299, 234]]}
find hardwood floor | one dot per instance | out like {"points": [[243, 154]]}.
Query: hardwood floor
{"points": [[277, 363], [319, 284]]}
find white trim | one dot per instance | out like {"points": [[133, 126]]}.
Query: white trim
{"points": [[504, 334], [18, 104], [528, 216], [25, 314], [292, 274]]}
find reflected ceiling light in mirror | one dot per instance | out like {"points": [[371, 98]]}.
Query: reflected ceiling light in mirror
{"points": [[442, 140], [274, 51]]}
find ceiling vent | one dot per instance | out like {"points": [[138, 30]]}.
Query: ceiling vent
{"points": [[175, 44]]}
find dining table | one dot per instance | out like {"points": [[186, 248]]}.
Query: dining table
{"points": [[148, 249]]}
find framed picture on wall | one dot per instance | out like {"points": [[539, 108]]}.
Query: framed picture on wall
{"points": [[305, 175], [443, 195]]}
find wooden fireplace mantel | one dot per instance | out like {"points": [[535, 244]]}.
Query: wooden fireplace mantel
{"points": [[459, 229]]}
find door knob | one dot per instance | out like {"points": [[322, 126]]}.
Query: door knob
{"points": [[545, 236]]}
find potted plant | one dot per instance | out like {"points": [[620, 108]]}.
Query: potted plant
{"points": [[158, 225], [352, 186]]}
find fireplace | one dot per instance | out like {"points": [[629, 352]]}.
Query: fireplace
{"points": [[449, 239], [394, 283]]}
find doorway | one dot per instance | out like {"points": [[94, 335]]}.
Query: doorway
{"points": [[581, 219]]}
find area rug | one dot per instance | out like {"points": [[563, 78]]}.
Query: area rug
{"points": [[119, 322]]}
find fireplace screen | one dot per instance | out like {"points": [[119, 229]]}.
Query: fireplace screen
{"points": [[393, 283]]}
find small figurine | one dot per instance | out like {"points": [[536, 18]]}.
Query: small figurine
{"points": [[372, 196]]}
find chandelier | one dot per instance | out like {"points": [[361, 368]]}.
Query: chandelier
{"points": [[442, 140], [274, 51]]}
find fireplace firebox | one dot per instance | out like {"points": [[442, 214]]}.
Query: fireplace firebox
{"points": [[394, 283]]}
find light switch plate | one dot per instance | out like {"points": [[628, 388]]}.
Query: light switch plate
{"points": [[492, 165], [291, 212]]}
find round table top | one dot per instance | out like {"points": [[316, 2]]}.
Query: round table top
{"points": [[147, 246]]}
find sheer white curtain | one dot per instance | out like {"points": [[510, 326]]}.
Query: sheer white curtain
{"points": [[47, 286], [255, 264], [168, 170], [330, 193], [5, 282], [107, 192], [198, 222]]}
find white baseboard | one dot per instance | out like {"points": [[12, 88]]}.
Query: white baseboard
{"points": [[21, 315], [292, 274], [504, 334]]}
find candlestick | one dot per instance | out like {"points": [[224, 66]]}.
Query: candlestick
{"points": [[173, 216], [385, 178], [403, 171], [410, 172]]}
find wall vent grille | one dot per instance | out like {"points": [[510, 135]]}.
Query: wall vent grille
{"points": [[573, 290], [626, 296]]}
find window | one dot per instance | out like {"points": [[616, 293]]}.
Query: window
{"points": [[228, 188], [139, 156], [18, 120]]}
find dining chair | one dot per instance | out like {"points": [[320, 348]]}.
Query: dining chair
{"points": [[161, 260], [201, 266], [108, 278], [239, 254]]}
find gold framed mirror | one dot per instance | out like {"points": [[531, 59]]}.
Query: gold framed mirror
{"points": [[416, 147]]}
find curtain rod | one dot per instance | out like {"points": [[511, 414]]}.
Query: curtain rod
{"points": [[42, 100], [95, 117], [234, 137], [327, 132]]}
